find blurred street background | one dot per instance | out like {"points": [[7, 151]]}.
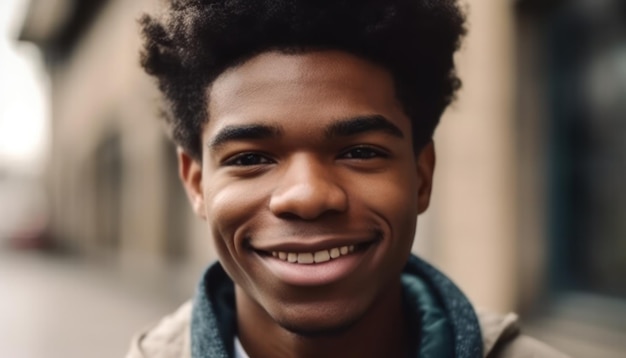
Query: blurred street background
{"points": [[528, 212], [59, 306]]}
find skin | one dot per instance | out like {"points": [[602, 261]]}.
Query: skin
{"points": [[306, 151]]}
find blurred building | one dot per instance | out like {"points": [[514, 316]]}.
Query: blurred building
{"points": [[112, 174], [529, 209]]}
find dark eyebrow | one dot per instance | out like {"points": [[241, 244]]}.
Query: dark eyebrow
{"points": [[361, 124], [243, 132]]}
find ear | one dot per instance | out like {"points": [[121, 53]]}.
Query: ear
{"points": [[190, 172], [425, 169]]}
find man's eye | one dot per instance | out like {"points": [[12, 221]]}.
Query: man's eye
{"points": [[248, 159], [363, 153]]}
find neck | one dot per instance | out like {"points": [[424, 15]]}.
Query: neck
{"points": [[380, 332]]}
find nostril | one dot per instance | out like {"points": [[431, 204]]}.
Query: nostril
{"points": [[288, 216]]}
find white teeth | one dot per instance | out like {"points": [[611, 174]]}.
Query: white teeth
{"points": [[305, 258], [322, 256], [313, 257]]}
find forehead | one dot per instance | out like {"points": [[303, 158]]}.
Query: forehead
{"points": [[302, 89]]}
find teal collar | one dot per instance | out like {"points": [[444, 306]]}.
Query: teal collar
{"points": [[432, 332]]}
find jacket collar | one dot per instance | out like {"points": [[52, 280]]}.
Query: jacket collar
{"points": [[465, 327]]}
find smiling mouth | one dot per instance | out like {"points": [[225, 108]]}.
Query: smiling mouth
{"points": [[320, 256]]}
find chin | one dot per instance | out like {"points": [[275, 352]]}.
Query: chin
{"points": [[322, 324], [320, 329]]}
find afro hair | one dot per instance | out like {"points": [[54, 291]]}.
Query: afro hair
{"points": [[194, 41]]}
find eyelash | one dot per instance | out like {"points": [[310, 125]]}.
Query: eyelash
{"points": [[366, 153], [237, 159], [371, 152]]}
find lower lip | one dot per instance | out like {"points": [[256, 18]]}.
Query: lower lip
{"points": [[317, 274]]}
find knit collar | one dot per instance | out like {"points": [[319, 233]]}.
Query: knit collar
{"points": [[441, 311]]}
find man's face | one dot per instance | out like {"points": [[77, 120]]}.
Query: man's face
{"points": [[309, 185]]}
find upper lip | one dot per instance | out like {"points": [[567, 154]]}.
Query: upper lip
{"points": [[311, 245]]}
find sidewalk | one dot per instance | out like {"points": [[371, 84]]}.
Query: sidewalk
{"points": [[57, 307]]}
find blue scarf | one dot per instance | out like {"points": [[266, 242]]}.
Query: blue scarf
{"points": [[444, 320]]}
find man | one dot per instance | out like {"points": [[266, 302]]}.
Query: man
{"points": [[304, 133]]}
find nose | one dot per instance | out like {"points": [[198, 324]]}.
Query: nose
{"points": [[307, 190]]}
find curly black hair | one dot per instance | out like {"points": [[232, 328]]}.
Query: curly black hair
{"points": [[194, 41]]}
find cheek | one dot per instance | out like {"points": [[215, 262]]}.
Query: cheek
{"points": [[394, 199], [401, 210], [393, 196], [230, 207]]}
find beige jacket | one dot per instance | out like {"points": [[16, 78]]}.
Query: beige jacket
{"points": [[170, 338]]}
